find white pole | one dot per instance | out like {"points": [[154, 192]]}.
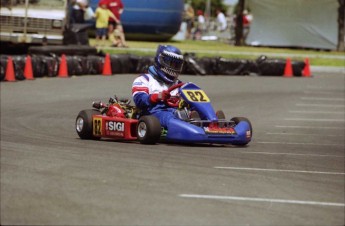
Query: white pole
{"points": [[208, 14]]}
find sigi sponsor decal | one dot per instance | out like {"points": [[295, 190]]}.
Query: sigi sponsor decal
{"points": [[113, 128]]}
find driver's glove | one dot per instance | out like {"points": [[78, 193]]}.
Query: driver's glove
{"points": [[157, 97]]}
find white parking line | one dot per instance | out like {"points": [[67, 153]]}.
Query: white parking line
{"points": [[251, 199], [321, 105], [304, 134], [322, 98], [278, 170], [311, 127], [293, 154], [314, 119], [318, 112], [295, 143]]}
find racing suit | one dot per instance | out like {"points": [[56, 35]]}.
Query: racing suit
{"points": [[144, 87]]}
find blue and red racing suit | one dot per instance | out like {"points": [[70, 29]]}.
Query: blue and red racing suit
{"points": [[144, 87]]}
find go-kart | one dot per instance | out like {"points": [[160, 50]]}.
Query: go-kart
{"points": [[198, 123]]}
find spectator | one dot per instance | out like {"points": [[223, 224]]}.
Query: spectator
{"points": [[102, 16], [189, 17], [246, 23], [115, 30], [78, 34], [221, 20], [78, 11], [200, 26]]}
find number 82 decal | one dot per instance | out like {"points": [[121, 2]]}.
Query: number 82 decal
{"points": [[196, 95]]}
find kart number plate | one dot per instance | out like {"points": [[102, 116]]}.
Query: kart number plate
{"points": [[97, 126], [196, 96]]}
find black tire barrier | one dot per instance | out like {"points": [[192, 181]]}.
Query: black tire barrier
{"points": [[232, 67], [143, 63], [18, 65], [123, 64], [3, 65], [47, 64], [193, 66], [275, 67]]}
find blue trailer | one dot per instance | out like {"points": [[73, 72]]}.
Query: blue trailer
{"points": [[150, 20]]}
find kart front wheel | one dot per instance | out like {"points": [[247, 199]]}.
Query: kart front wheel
{"points": [[221, 116], [237, 120], [148, 130], [83, 124]]}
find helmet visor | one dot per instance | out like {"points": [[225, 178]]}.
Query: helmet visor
{"points": [[171, 61]]}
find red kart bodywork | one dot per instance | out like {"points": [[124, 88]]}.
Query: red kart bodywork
{"points": [[114, 124]]}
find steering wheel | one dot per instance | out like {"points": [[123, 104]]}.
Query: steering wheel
{"points": [[173, 101]]}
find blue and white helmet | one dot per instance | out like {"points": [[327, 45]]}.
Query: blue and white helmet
{"points": [[168, 63]]}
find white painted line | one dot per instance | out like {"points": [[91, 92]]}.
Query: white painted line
{"points": [[311, 127], [251, 199], [315, 119], [293, 143], [322, 98], [321, 105], [293, 154], [278, 170], [319, 112], [319, 88], [321, 92], [304, 134]]}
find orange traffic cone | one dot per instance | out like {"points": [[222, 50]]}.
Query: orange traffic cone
{"points": [[288, 68], [63, 70], [28, 69], [10, 76], [306, 71], [107, 65]]}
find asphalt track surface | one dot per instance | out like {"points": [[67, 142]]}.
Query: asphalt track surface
{"points": [[292, 173]]}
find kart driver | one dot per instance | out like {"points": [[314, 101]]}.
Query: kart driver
{"points": [[150, 90]]}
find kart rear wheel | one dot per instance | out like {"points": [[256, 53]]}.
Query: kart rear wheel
{"points": [[237, 120], [83, 124], [148, 130]]}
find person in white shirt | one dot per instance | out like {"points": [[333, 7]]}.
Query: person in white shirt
{"points": [[221, 20], [201, 26]]}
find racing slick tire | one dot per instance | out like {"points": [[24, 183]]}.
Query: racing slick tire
{"points": [[220, 114], [83, 124], [240, 119], [148, 130]]}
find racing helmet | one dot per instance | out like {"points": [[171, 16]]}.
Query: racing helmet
{"points": [[168, 63]]}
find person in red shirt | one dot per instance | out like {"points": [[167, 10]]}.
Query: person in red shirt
{"points": [[246, 19], [115, 29]]}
